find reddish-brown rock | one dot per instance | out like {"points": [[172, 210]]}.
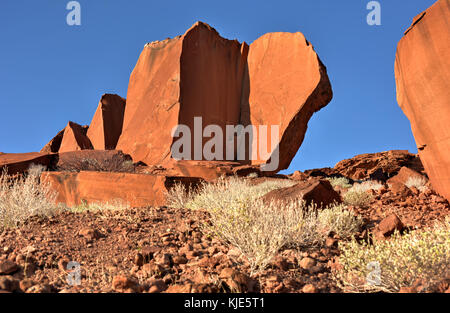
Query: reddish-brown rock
{"points": [[389, 225], [378, 166], [199, 74], [403, 175], [422, 71], [287, 84], [53, 145], [318, 191], [74, 138], [135, 190], [106, 126], [17, 163]]}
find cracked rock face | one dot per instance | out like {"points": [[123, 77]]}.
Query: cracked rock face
{"points": [[422, 71], [278, 80]]}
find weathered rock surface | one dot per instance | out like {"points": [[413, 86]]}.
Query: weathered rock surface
{"points": [[74, 138], [135, 190], [378, 166], [53, 145], [422, 71], [175, 80], [281, 81], [106, 126], [318, 191], [287, 84], [18, 163], [404, 175]]}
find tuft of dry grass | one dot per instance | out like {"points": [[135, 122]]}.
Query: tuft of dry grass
{"points": [[417, 182], [388, 265], [24, 196], [358, 194]]}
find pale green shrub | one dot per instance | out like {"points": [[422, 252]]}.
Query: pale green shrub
{"points": [[179, 196], [401, 260], [339, 182], [23, 196], [366, 186], [339, 220]]}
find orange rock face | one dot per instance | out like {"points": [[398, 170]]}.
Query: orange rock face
{"points": [[53, 145], [106, 126], [18, 163], [197, 74], [281, 81], [287, 84], [74, 138], [422, 71], [136, 190]]}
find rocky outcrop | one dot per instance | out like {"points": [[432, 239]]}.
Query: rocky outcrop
{"points": [[377, 166], [94, 160], [135, 190], [19, 163], [106, 126], [198, 74], [422, 71], [53, 145], [279, 80], [287, 84], [74, 138]]}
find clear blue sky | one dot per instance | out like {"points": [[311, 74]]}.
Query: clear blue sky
{"points": [[51, 73]]}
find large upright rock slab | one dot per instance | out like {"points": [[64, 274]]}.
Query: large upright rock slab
{"points": [[106, 126], [287, 84], [175, 80], [422, 71], [74, 138]]}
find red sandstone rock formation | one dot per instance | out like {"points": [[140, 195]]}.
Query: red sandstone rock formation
{"points": [[422, 71], [197, 74], [288, 83], [377, 166], [18, 163], [106, 126], [201, 74], [53, 145], [135, 190], [74, 138]]}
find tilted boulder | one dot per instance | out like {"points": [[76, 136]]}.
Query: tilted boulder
{"points": [[198, 74], [317, 191], [422, 72], [74, 138], [106, 126], [287, 84]]}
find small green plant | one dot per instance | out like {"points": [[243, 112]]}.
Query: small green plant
{"points": [[417, 182], [339, 220], [366, 186], [339, 182], [400, 261], [24, 196]]}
